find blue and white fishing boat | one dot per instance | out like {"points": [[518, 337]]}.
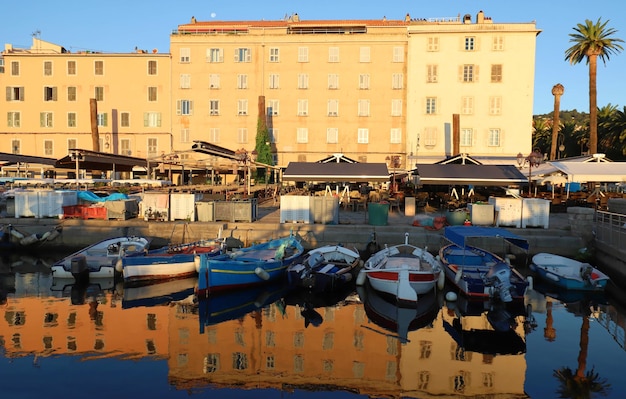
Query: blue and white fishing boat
{"points": [[246, 267], [173, 261], [479, 273], [567, 273]]}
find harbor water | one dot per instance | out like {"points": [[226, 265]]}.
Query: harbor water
{"points": [[104, 340]]}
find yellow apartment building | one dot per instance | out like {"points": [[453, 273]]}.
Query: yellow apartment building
{"points": [[479, 70], [48, 101], [395, 91], [373, 90]]}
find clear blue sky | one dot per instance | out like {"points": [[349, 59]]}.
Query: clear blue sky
{"points": [[120, 25]]}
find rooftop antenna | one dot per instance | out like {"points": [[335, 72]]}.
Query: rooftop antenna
{"points": [[37, 34]]}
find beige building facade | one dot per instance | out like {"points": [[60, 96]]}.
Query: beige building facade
{"points": [[373, 90], [48, 108]]}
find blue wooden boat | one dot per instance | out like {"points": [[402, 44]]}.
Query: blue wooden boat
{"points": [[567, 273], [246, 267], [478, 273]]}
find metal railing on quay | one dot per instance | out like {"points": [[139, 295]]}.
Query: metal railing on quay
{"points": [[610, 228]]}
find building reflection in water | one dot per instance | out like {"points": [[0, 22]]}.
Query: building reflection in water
{"points": [[441, 350]]}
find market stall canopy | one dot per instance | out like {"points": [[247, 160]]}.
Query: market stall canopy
{"points": [[11, 159], [469, 174], [212, 149], [598, 172], [336, 172], [93, 160]]}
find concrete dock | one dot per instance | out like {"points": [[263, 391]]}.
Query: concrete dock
{"points": [[353, 230]]}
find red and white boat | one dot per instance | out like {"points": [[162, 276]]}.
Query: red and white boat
{"points": [[404, 271]]}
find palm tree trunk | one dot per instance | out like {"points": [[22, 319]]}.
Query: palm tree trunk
{"points": [[95, 138], [557, 92], [593, 104]]}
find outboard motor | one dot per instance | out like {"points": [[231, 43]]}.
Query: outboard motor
{"points": [[499, 276]]}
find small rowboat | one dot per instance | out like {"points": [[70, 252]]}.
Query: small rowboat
{"points": [[403, 271]]}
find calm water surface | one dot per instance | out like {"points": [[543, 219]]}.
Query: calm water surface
{"points": [[105, 340]]}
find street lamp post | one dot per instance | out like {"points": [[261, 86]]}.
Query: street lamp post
{"points": [[394, 162], [561, 144], [533, 159], [77, 157]]}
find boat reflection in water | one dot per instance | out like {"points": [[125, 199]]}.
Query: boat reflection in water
{"points": [[399, 320], [158, 292], [236, 304], [260, 340], [489, 328]]}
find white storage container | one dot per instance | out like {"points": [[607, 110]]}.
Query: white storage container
{"points": [[536, 213], [508, 211], [481, 214], [155, 206], [205, 211], [182, 206], [295, 209], [51, 203], [325, 209], [26, 204]]}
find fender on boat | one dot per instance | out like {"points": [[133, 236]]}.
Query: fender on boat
{"points": [[441, 281], [458, 275], [552, 277], [360, 279], [196, 262], [262, 274], [119, 265]]}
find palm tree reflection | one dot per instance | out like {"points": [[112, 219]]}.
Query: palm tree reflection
{"points": [[581, 384]]}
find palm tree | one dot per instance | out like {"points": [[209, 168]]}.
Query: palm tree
{"points": [[541, 133], [592, 40], [608, 134], [557, 92]]}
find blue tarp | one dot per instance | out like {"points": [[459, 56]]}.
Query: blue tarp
{"points": [[91, 197], [459, 234]]}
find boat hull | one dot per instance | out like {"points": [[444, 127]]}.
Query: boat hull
{"points": [[158, 267], [169, 262]]}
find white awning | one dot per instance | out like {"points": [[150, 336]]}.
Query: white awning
{"points": [[600, 172]]}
